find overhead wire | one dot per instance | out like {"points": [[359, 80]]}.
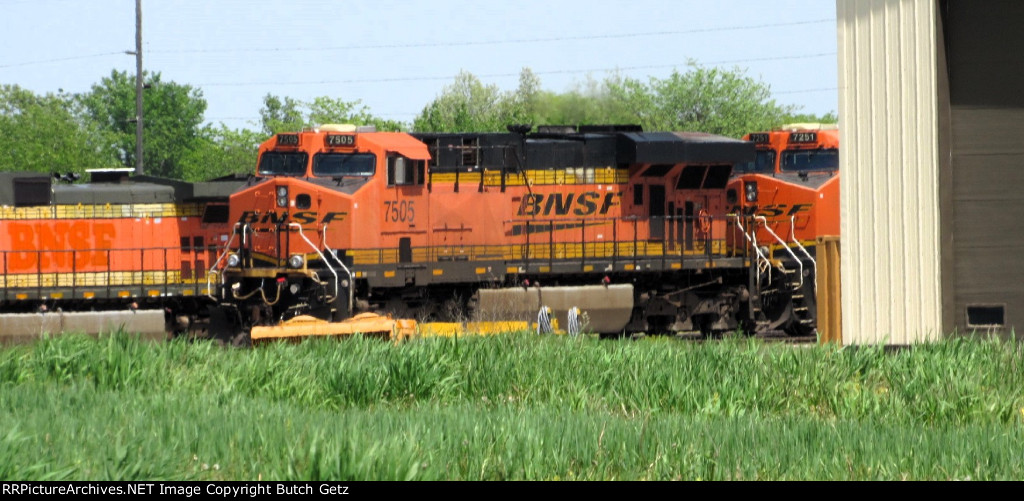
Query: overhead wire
{"points": [[501, 75], [470, 43]]}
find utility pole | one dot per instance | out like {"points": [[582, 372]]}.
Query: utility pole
{"points": [[138, 87]]}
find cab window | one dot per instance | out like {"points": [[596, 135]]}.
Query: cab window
{"points": [[344, 164], [810, 160], [276, 163], [764, 163], [405, 171]]}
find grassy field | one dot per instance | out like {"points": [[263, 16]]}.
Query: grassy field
{"points": [[509, 407]]}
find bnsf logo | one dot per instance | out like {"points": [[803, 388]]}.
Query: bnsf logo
{"points": [[563, 204], [272, 217], [772, 210]]}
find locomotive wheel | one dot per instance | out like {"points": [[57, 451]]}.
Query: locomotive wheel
{"points": [[797, 329], [225, 324], [242, 340], [703, 323]]}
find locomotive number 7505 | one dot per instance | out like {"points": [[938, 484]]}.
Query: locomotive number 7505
{"points": [[395, 211]]}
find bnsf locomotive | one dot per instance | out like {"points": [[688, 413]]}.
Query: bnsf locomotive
{"points": [[793, 183], [112, 245], [632, 227]]}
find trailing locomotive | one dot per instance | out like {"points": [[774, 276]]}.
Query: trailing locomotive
{"points": [[112, 245], [793, 183], [632, 227]]}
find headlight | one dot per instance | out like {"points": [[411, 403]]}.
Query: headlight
{"points": [[750, 191], [234, 260], [296, 261], [282, 196]]}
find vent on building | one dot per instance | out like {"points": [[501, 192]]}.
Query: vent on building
{"points": [[986, 316]]}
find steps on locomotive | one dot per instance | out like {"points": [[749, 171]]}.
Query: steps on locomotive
{"points": [[802, 308]]}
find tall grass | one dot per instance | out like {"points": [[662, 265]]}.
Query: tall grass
{"points": [[509, 407]]}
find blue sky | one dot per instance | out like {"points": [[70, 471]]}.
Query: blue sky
{"points": [[397, 55]]}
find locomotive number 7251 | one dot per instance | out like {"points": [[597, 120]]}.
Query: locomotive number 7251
{"points": [[395, 211]]}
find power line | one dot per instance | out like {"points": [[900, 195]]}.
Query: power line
{"points": [[72, 58], [502, 75], [428, 45], [821, 89], [495, 42]]}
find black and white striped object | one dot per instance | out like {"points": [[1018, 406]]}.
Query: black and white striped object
{"points": [[544, 321], [574, 321]]}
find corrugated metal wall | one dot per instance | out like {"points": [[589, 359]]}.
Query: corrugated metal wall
{"points": [[986, 54], [892, 243]]}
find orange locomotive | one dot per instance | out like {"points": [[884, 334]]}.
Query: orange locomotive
{"points": [[109, 244], [629, 226], [793, 183]]}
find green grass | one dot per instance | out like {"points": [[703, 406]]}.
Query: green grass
{"points": [[509, 407]]}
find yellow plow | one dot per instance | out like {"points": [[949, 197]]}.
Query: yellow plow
{"points": [[374, 325], [368, 324]]}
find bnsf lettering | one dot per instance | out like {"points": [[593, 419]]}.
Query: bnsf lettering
{"points": [[60, 245], [272, 217], [563, 204], [773, 210]]}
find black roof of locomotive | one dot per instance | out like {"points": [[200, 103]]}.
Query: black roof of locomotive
{"points": [[682, 147], [32, 188], [584, 146]]}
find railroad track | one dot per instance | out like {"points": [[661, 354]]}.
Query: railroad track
{"points": [[769, 337]]}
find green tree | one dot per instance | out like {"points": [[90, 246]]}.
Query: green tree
{"points": [[287, 114], [827, 118], [172, 118], [467, 105], [523, 105], [587, 103], [714, 100], [46, 134], [280, 115], [222, 151], [327, 110]]}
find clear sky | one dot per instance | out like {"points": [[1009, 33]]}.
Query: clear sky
{"points": [[397, 55]]}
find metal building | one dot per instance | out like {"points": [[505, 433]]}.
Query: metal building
{"points": [[932, 116]]}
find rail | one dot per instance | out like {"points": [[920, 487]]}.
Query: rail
{"points": [[782, 242], [761, 261], [213, 268], [321, 254], [77, 274], [814, 263], [615, 240], [351, 288]]}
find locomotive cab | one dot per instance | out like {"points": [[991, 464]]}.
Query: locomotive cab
{"points": [[294, 222], [793, 184]]}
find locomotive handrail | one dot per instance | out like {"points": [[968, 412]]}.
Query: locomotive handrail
{"points": [[351, 280], [792, 235], [536, 246], [759, 256], [800, 263], [213, 268], [317, 249]]}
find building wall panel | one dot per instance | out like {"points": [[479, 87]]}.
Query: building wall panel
{"points": [[988, 206], [890, 191]]}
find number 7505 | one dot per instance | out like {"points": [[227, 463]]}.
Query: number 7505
{"points": [[395, 211]]}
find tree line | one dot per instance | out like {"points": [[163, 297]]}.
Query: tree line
{"points": [[64, 132]]}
